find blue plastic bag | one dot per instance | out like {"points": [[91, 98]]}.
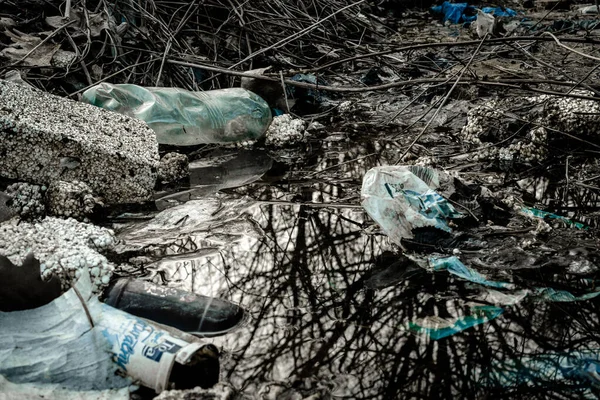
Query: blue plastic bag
{"points": [[463, 12]]}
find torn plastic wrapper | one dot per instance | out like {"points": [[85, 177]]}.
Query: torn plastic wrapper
{"points": [[195, 219], [402, 198], [56, 344], [456, 267], [437, 328]]}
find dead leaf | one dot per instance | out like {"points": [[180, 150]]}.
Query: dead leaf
{"points": [[7, 23], [21, 47], [97, 22]]}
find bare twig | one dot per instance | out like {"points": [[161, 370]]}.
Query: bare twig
{"points": [[571, 49], [465, 68]]}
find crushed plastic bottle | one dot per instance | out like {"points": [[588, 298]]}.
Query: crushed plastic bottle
{"points": [[184, 118]]}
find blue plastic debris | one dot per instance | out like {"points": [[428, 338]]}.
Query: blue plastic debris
{"points": [[534, 212], [455, 267], [439, 328], [463, 12], [547, 367], [563, 296]]}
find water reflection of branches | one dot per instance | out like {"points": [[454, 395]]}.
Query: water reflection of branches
{"points": [[313, 317]]}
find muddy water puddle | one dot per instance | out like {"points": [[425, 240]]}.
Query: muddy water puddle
{"points": [[335, 311]]}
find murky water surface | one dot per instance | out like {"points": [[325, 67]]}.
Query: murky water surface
{"points": [[333, 312]]}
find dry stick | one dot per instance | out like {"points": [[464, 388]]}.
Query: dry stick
{"points": [[552, 67], [439, 102], [465, 68], [551, 129], [82, 62], [284, 91], [162, 63], [240, 16], [171, 38], [431, 107], [85, 307], [406, 106], [68, 9], [583, 79], [571, 49], [81, 299], [296, 35], [509, 83], [316, 205], [340, 164], [418, 46], [111, 75], [545, 16]]}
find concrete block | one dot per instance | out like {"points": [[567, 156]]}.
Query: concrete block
{"points": [[46, 138]]}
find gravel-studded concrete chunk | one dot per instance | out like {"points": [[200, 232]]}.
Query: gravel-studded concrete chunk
{"points": [[45, 138]]}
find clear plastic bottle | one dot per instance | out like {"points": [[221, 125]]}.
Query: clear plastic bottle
{"points": [[183, 118]]}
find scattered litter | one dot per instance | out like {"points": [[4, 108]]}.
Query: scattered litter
{"points": [[534, 212], [455, 267], [399, 200], [463, 12], [199, 219], [81, 347]]}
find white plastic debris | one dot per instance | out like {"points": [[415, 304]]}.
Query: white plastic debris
{"points": [[549, 114], [55, 344], [484, 24], [32, 391], [402, 198], [80, 343]]}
